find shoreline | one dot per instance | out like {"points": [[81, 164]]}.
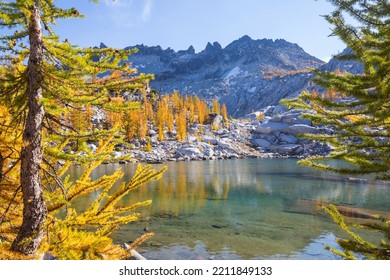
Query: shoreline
{"points": [[274, 135], [357, 179]]}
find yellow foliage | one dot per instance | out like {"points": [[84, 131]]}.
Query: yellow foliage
{"points": [[114, 118], [171, 109], [225, 115], [181, 125], [67, 243], [132, 125], [170, 121], [7, 254], [177, 101], [79, 119], [260, 117], [214, 126], [83, 235], [147, 106], [10, 195], [160, 133], [314, 93], [354, 118], [136, 125], [64, 81], [216, 108], [143, 126], [148, 147], [282, 73], [141, 239], [86, 235]]}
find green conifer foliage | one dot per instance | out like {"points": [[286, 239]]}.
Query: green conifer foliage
{"points": [[356, 244], [43, 81], [357, 108]]}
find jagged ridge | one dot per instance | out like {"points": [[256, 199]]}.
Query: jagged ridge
{"points": [[236, 74], [247, 75]]}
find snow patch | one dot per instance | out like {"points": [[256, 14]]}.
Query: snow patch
{"points": [[252, 90], [233, 73]]}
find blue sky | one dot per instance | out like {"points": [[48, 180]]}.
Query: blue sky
{"points": [[181, 23]]}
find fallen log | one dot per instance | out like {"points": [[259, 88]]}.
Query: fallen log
{"points": [[315, 207]]}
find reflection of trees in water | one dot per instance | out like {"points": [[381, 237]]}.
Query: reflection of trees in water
{"points": [[189, 186], [241, 206]]}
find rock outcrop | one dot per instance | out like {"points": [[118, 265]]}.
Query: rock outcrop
{"points": [[279, 133], [246, 75], [272, 136], [250, 77]]}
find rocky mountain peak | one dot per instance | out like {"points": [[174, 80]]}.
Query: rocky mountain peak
{"points": [[350, 66], [244, 39], [212, 48], [102, 46], [189, 51], [247, 75]]}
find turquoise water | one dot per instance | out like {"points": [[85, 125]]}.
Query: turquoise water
{"points": [[243, 209]]}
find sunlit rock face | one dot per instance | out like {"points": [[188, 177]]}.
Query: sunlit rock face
{"points": [[247, 74]]}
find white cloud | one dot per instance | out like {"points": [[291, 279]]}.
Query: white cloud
{"points": [[126, 13], [147, 11], [118, 3]]}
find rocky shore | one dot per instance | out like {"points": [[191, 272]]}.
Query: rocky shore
{"points": [[278, 132], [273, 135]]}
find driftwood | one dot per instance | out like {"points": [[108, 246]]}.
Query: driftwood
{"points": [[134, 253], [314, 207]]}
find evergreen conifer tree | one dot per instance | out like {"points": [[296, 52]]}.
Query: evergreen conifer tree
{"points": [[216, 108], [357, 109], [225, 115], [42, 81], [181, 125]]}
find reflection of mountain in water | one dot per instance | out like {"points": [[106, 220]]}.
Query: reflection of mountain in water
{"points": [[194, 182]]}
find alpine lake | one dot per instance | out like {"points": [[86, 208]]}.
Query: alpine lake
{"points": [[245, 209]]}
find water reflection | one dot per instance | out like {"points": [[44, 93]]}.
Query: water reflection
{"points": [[242, 209]]}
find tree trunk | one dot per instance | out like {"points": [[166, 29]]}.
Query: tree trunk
{"points": [[34, 209], [1, 167]]}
